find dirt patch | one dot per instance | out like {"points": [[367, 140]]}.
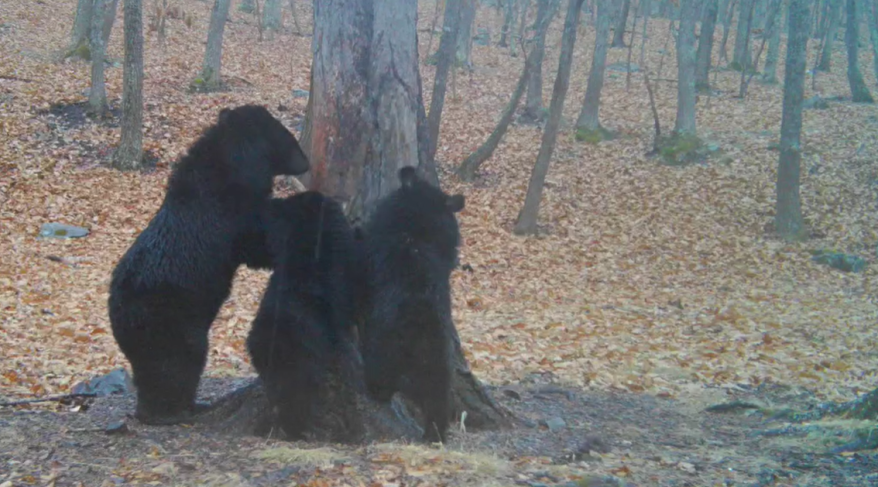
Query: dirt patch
{"points": [[566, 435]]}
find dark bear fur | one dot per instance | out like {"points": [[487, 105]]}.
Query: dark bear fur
{"points": [[169, 286], [307, 310], [411, 246]]}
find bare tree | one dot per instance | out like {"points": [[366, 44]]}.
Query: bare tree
{"points": [[508, 22], [80, 36], [527, 218], [685, 123], [210, 78], [621, 24], [522, 20], [741, 56], [465, 32], [129, 154], [769, 74], [872, 22], [534, 101], [788, 221], [589, 120], [859, 91], [444, 61], [647, 10], [705, 45], [727, 27], [97, 95], [833, 22], [271, 15]]}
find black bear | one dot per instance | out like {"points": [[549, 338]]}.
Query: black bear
{"points": [[169, 286], [411, 247], [307, 310]]}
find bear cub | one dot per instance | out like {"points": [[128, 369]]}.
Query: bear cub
{"points": [[307, 311], [411, 245]]}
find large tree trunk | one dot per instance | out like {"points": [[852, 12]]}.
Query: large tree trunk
{"points": [[872, 22], [465, 33], [589, 113], [741, 56], [366, 120], [534, 101], [859, 91], [271, 15], [769, 74], [210, 78], [81, 23], [444, 61], [527, 218], [788, 212], [621, 24], [705, 46], [129, 155], [685, 123], [80, 36], [831, 31], [97, 95]]}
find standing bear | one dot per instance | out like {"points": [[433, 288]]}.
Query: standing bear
{"points": [[307, 312], [169, 286], [411, 248]]}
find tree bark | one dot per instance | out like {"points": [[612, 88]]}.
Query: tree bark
{"points": [[80, 36], [727, 25], [647, 8], [872, 22], [213, 55], [522, 19], [271, 15], [534, 101], [444, 61], [589, 113], [741, 56], [81, 23], [508, 21], [859, 90], [788, 211], [621, 24], [685, 123], [470, 166], [705, 46], [833, 23], [769, 74], [97, 95], [527, 218], [465, 33], [129, 154]]}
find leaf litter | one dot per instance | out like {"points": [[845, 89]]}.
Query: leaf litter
{"points": [[646, 279]]}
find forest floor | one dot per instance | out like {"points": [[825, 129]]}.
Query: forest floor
{"points": [[652, 292]]}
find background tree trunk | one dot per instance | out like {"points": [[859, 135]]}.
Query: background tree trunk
{"points": [[769, 74], [705, 46], [589, 114], [81, 23], [465, 33], [80, 36], [788, 212], [859, 90], [97, 95], [727, 26], [508, 21], [741, 56], [831, 31], [109, 20], [272, 15], [686, 69], [621, 24], [213, 55], [872, 22], [522, 19], [129, 155], [444, 60], [527, 218], [534, 102]]}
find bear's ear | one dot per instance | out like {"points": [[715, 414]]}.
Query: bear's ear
{"points": [[408, 176], [224, 115], [455, 203]]}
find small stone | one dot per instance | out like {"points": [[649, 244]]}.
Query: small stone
{"points": [[301, 93], [512, 394], [62, 231], [116, 428], [556, 424]]}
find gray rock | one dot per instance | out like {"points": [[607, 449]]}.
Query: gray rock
{"points": [[116, 381], [556, 424], [61, 230], [301, 93]]}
